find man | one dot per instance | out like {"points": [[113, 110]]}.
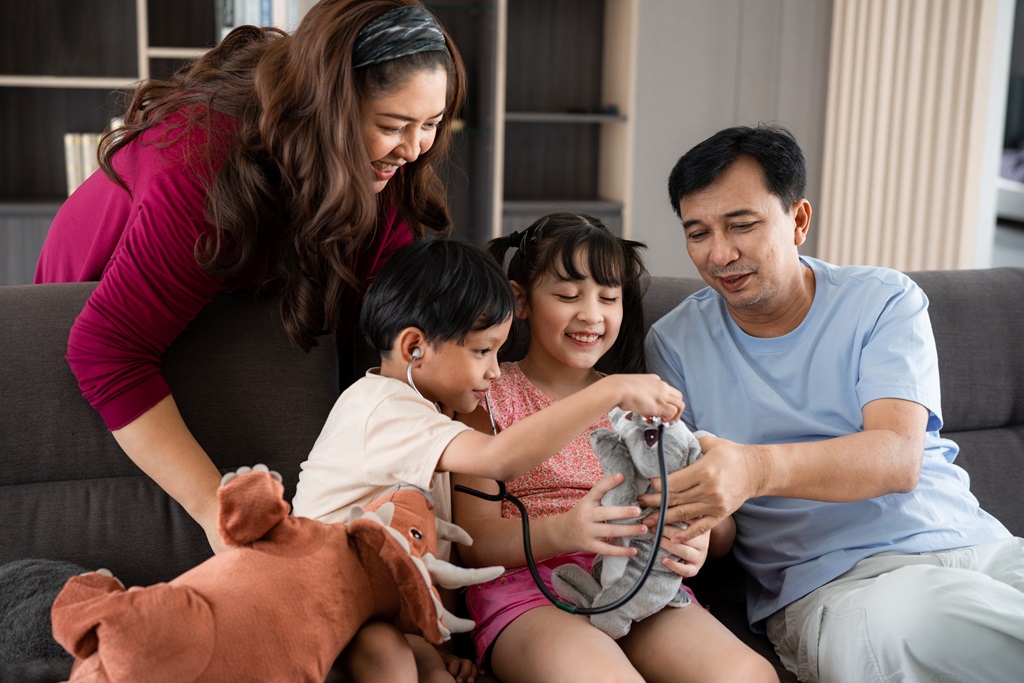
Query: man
{"points": [[870, 558]]}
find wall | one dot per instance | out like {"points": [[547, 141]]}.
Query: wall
{"points": [[703, 66]]}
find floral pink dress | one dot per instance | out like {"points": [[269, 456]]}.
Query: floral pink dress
{"points": [[552, 488]]}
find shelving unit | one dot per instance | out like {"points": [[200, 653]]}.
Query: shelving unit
{"points": [[65, 68], [547, 126], [469, 175], [567, 74], [1010, 191]]}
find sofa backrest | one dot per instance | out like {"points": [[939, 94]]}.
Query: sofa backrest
{"points": [[68, 492], [978, 320]]}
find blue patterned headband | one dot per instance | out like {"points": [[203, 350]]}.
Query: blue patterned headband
{"points": [[400, 32]]}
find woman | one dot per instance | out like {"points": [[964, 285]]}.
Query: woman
{"points": [[287, 165]]}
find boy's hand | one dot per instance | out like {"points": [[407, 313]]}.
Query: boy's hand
{"points": [[462, 670], [649, 396], [588, 526]]}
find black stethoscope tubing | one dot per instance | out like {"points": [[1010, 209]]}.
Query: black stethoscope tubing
{"points": [[528, 550]]}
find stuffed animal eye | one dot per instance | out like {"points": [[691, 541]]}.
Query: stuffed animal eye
{"points": [[650, 436], [416, 533]]}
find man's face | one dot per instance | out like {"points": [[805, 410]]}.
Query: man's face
{"points": [[743, 242]]}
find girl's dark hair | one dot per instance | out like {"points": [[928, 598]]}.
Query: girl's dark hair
{"points": [[550, 246], [290, 197], [445, 288]]}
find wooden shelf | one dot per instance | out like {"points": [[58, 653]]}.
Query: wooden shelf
{"points": [[561, 117]]}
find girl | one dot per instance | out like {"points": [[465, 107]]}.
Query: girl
{"points": [[579, 289]]}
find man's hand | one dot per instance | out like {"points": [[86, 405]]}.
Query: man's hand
{"points": [[711, 489]]}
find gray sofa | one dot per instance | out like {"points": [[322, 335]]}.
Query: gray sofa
{"points": [[68, 493]]}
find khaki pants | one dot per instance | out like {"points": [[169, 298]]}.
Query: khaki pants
{"points": [[955, 615]]}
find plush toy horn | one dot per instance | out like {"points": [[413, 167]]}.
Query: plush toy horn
{"points": [[449, 575], [446, 531]]}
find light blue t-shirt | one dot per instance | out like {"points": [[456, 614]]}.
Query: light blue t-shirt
{"points": [[867, 336]]}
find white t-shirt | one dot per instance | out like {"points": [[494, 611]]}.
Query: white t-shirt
{"points": [[380, 433]]}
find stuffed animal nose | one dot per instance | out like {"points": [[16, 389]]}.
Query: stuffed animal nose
{"points": [[650, 436]]}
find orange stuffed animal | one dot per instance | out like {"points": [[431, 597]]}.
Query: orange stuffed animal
{"points": [[280, 605]]}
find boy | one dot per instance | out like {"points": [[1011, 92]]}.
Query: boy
{"points": [[438, 312]]}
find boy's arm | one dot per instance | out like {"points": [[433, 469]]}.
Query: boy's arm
{"points": [[527, 443]]}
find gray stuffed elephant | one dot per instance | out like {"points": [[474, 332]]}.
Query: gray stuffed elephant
{"points": [[631, 449]]}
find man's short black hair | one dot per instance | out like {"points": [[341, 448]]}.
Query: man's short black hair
{"points": [[773, 147], [445, 288]]}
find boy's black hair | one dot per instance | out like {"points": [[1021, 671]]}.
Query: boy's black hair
{"points": [[550, 246], [445, 288], [773, 147]]}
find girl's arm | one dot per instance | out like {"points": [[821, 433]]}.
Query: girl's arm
{"points": [[527, 443], [694, 552], [499, 540]]}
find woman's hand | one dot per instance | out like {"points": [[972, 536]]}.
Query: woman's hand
{"points": [[589, 526]]}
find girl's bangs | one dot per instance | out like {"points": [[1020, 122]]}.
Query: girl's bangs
{"points": [[605, 258]]}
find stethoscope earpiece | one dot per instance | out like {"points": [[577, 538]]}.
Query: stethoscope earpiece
{"points": [[416, 354]]}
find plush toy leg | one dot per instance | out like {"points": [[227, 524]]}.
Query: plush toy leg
{"points": [[113, 631], [71, 614], [251, 504], [661, 588], [573, 583]]}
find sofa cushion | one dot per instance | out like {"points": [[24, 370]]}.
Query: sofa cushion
{"points": [[979, 333], [69, 492]]}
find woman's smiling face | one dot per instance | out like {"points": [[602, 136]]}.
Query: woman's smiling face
{"points": [[401, 125]]}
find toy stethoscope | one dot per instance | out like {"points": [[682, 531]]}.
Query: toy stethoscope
{"points": [[527, 548]]}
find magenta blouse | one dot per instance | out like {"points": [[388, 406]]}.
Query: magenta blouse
{"points": [[141, 249]]}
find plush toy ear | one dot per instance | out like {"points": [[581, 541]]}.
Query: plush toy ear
{"points": [[614, 456]]}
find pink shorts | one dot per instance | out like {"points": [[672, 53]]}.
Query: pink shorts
{"points": [[496, 604]]}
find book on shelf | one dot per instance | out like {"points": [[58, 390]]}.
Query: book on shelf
{"points": [[81, 158], [73, 160], [284, 14]]}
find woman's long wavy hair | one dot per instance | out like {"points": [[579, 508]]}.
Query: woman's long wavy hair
{"points": [[290, 195], [553, 245]]}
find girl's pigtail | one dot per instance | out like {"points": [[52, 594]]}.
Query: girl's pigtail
{"points": [[497, 248]]}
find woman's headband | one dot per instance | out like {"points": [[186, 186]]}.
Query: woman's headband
{"points": [[400, 32]]}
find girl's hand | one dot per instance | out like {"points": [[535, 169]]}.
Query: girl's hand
{"points": [[462, 670], [691, 554], [588, 526], [649, 396]]}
